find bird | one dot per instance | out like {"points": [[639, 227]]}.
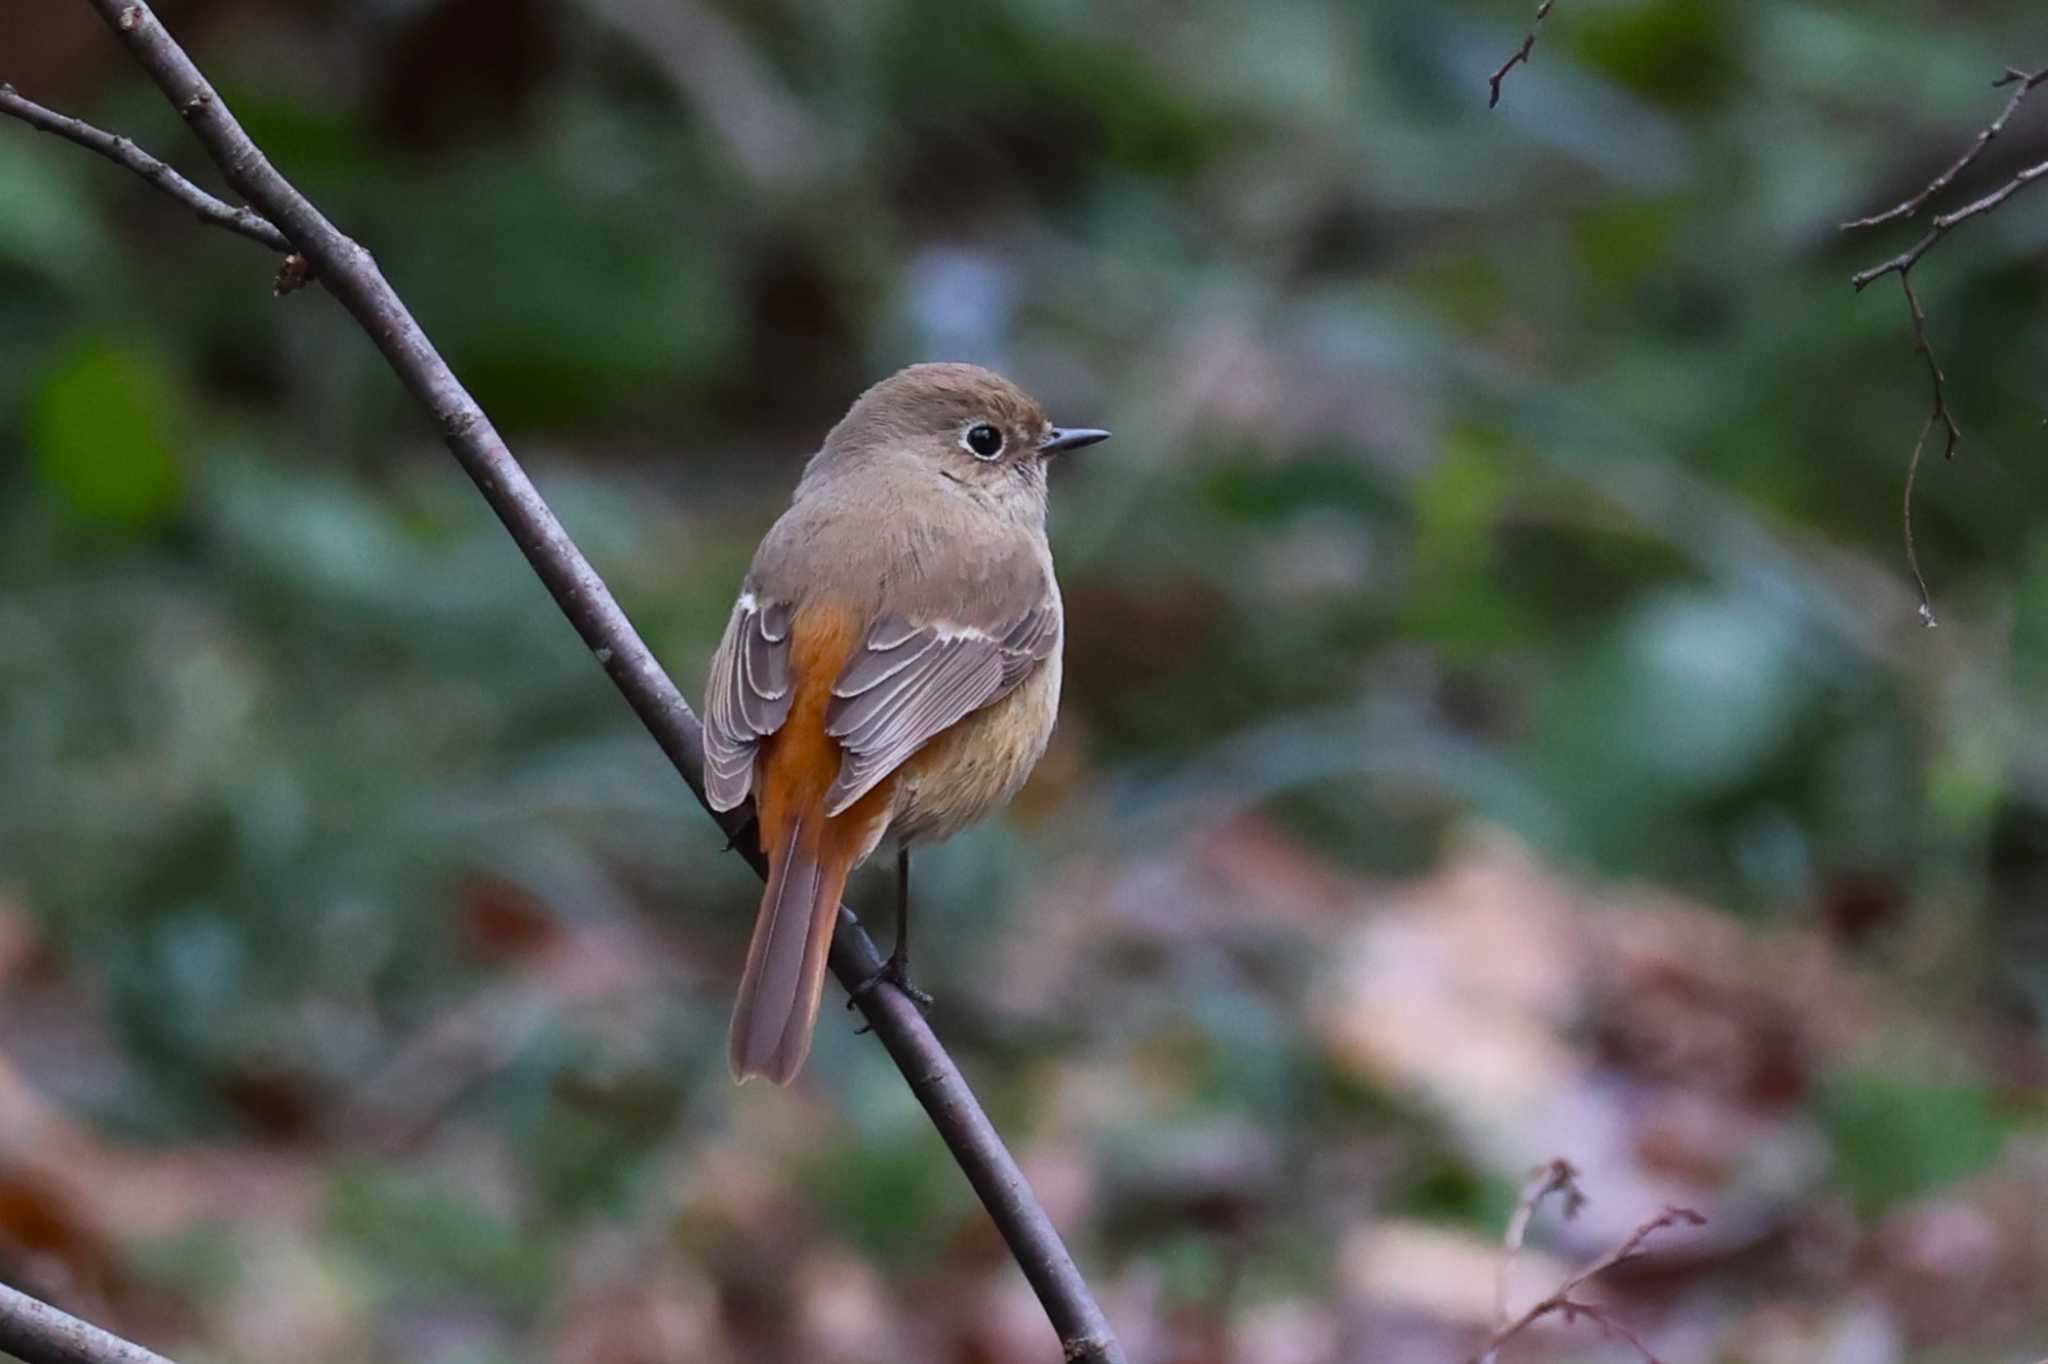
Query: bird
{"points": [[891, 667]]}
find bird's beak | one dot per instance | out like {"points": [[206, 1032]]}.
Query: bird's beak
{"points": [[1061, 439]]}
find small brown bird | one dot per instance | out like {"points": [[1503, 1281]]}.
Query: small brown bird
{"points": [[892, 666]]}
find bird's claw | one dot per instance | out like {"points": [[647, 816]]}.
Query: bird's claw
{"points": [[896, 971]]}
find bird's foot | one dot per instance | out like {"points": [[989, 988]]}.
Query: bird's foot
{"points": [[896, 971]]}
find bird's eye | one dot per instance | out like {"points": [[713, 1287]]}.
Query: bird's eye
{"points": [[983, 441]]}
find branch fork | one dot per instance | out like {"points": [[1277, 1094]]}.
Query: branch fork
{"points": [[1940, 413], [1560, 1178]]}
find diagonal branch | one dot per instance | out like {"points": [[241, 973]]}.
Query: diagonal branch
{"points": [[352, 276], [40, 1334]]}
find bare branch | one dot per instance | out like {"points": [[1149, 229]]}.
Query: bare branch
{"points": [[1559, 1177], [1521, 55], [1906, 209], [1902, 266], [119, 149], [39, 1333], [352, 276], [1942, 224]]}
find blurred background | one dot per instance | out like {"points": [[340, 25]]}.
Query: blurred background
{"points": [[1497, 723]]}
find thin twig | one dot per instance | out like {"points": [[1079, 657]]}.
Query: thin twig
{"points": [[2026, 82], [1940, 227], [1560, 1178], [1952, 437], [1521, 55], [1937, 377], [294, 272], [1906, 519], [1902, 266], [218, 212], [352, 276]]}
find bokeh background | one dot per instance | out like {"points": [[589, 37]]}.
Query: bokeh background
{"points": [[1498, 726]]}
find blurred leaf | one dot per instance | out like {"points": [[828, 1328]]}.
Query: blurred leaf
{"points": [[47, 222], [1263, 493], [1450, 1190], [1616, 244], [1897, 1139], [103, 430], [595, 1134], [1466, 291], [1457, 510], [427, 1239], [1678, 52], [2030, 624], [1457, 505], [1192, 1270], [889, 1198], [1411, 43], [317, 143], [1053, 98], [577, 302], [1690, 694]]}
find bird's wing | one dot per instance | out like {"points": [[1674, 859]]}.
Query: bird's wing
{"points": [[747, 696], [909, 680]]}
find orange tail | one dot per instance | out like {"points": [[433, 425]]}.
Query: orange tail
{"points": [[809, 858], [785, 975]]}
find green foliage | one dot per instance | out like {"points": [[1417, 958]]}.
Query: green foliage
{"points": [[1680, 52], [1532, 469], [595, 1134], [1266, 495], [1452, 1191], [1043, 90], [1687, 697], [425, 1240], [1615, 245], [47, 218], [1896, 1139], [1458, 513], [611, 294], [105, 431], [887, 1197]]}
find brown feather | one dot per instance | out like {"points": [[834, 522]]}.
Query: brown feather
{"points": [[810, 856]]}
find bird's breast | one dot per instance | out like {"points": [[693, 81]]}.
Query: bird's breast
{"points": [[971, 770]]}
